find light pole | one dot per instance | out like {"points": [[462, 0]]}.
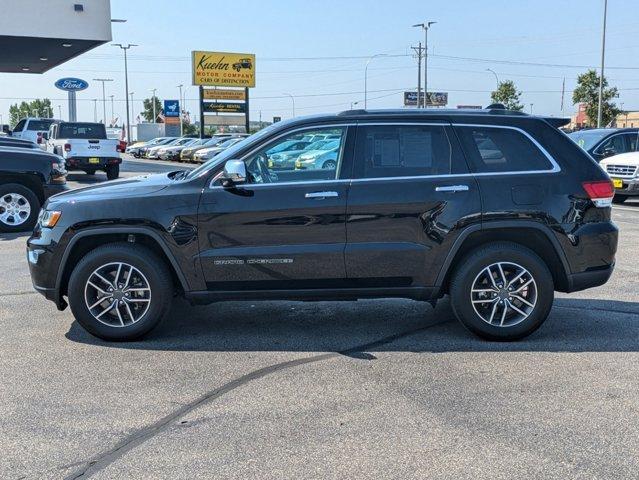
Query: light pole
{"points": [[126, 87], [531, 105], [131, 108], [103, 80], [603, 54], [112, 114], [60, 112], [153, 102], [180, 109], [425, 26], [292, 99], [494, 73], [354, 103], [366, 77], [95, 110]]}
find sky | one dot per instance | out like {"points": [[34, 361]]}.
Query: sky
{"points": [[317, 50]]}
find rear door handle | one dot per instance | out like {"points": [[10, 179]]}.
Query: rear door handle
{"points": [[321, 195], [452, 188]]}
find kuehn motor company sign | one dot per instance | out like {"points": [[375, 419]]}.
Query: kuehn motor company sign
{"points": [[223, 69]]}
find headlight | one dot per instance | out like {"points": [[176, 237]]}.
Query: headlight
{"points": [[49, 218]]}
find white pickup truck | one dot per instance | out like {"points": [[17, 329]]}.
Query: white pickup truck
{"points": [[85, 146]]}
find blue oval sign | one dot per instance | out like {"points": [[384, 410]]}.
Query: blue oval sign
{"points": [[71, 84]]}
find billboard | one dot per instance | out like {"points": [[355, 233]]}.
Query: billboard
{"points": [[171, 108], [223, 69], [233, 95], [224, 107], [410, 99], [434, 99]]}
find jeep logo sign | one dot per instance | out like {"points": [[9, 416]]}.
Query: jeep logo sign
{"points": [[71, 84]]}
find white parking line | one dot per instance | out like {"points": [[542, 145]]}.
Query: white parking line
{"points": [[626, 209]]}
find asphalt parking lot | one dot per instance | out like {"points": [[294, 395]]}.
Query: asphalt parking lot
{"points": [[369, 389]]}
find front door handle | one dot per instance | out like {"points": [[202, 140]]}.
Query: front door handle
{"points": [[321, 195], [452, 188]]}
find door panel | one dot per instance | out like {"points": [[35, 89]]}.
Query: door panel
{"points": [[400, 227]]}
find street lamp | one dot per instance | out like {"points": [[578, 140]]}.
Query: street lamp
{"points": [[153, 102], [95, 110], [493, 72], [127, 113], [354, 103], [103, 80], [366, 77], [531, 105], [425, 26], [112, 114], [180, 110], [603, 54], [292, 99], [126, 87]]}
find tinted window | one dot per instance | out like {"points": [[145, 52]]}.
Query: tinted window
{"points": [[614, 145], [403, 151], [633, 141], [39, 125], [82, 130], [501, 150]]}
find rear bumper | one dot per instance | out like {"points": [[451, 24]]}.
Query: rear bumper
{"points": [[630, 186], [82, 163]]}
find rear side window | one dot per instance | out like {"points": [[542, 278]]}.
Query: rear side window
{"points": [[384, 151], [497, 149], [39, 125], [82, 130], [19, 126]]}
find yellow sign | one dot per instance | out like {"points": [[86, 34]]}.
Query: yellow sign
{"points": [[617, 182], [223, 69], [214, 94]]}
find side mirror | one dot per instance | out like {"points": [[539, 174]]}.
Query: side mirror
{"points": [[45, 135], [234, 172]]}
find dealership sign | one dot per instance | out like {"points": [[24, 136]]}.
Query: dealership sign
{"points": [[217, 94], [171, 108], [71, 84], [225, 107], [223, 69], [435, 99]]}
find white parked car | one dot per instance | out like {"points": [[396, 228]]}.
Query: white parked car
{"points": [[85, 146], [623, 169], [33, 129]]}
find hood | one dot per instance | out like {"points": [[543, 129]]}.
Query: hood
{"points": [[125, 188], [631, 158]]}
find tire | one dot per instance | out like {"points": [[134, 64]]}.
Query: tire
{"points": [[619, 198], [141, 316], [112, 172], [19, 208], [513, 258], [329, 165]]}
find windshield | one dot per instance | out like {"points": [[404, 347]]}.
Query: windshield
{"points": [[587, 139], [39, 125], [82, 130]]}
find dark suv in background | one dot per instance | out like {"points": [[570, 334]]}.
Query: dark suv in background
{"points": [[497, 209]]}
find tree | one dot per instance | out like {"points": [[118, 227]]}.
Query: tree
{"points": [[148, 108], [35, 108], [587, 91], [507, 95]]}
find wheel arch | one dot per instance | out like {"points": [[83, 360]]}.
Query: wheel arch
{"points": [[85, 241], [531, 235], [32, 181]]}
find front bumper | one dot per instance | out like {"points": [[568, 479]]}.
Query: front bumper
{"points": [[54, 188], [44, 255], [629, 186]]}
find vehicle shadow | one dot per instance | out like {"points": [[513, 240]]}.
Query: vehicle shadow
{"points": [[85, 179], [575, 325], [7, 237]]}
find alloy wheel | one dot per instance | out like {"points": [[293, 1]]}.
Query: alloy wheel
{"points": [[504, 294], [117, 294], [14, 209]]}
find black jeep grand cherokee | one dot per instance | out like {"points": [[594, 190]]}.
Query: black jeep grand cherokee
{"points": [[497, 209]]}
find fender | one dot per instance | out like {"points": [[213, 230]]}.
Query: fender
{"points": [[96, 232], [494, 225]]}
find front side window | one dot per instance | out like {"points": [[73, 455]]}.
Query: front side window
{"points": [[289, 160], [403, 151], [497, 149], [613, 146], [19, 126]]}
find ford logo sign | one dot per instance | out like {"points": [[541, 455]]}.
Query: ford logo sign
{"points": [[71, 84]]}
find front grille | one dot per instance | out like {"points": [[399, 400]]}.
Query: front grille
{"points": [[621, 170]]}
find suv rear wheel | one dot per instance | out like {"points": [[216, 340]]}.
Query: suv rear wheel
{"points": [[502, 291], [120, 291], [112, 172], [19, 208]]}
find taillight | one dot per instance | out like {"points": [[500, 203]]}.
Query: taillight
{"points": [[67, 147], [39, 139], [600, 192]]}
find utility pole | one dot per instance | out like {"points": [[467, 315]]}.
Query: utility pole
{"points": [[103, 80], [95, 110], [419, 51], [180, 110], [132, 115], [603, 55], [112, 114], [126, 87], [425, 26], [153, 102]]}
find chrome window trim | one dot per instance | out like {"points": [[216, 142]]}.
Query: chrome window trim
{"points": [[555, 166]]}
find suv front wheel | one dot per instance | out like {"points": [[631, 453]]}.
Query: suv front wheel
{"points": [[502, 291], [120, 291]]}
